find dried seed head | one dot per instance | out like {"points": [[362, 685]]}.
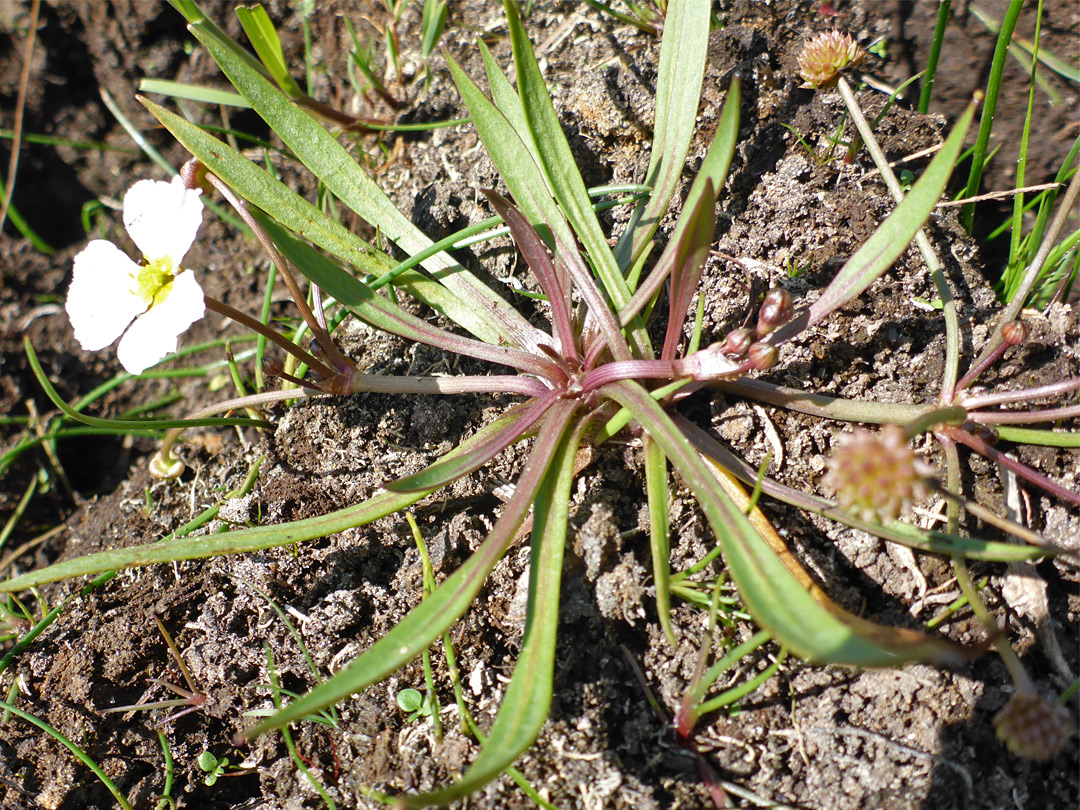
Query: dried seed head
{"points": [[776, 310], [762, 356], [1015, 332], [825, 55], [1033, 728], [876, 474]]}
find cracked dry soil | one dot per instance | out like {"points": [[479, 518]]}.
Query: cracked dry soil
{"points": [[822, 738]]}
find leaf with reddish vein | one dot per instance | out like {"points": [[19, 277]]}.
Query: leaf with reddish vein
{"points": [[688, 252], [384, 314], [444, 471], [434, 615], [532, 247]]}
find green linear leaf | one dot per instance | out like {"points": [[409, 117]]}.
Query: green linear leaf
{"points": [[261, 189], [659, 493], [384, 314], [683, 48], [527, 700], [192, 92], [264, 38], [770, 591], [483, 312], [244, 540], [558, 161], [509, 151], [413, 634]]}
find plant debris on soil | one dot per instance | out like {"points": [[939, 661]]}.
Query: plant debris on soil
{"points": [[811, 737]]}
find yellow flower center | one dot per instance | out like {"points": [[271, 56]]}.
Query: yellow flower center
{"points": [[155, 281]]}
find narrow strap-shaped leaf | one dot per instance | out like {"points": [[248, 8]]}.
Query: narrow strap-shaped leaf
{"points": [[532, 247], [506, 99], [891, 239], [243, 540], [558, 161], [384, 314], [446, 470], [413, 634], [264, 38], [509, 151], [261, 189], [528, 697], [683, 48], [658, 492], [486, 315], [689, 250], [894, 531], [710, 179], [776, 599], [599, 311]]}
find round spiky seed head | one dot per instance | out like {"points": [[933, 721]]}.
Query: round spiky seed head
{"points": [[1015, 332], [1033, 728], [762, 356], [876, 474], [825, 55], [775, 311]]}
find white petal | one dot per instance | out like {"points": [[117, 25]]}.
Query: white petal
{"points": [[154, 334], [162, 218], [102, 298]]}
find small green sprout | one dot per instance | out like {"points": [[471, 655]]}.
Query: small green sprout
{"points": [[212, 767], [879, 47], [416, 704]]}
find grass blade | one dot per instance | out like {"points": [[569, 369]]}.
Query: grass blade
{"points": [[986, 124]]}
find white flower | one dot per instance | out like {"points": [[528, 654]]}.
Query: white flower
{"points": [[109, 290]]}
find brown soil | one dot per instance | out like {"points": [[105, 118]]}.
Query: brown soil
{"points": [[812, 737]]}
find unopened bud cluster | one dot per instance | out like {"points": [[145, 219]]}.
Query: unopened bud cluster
{"points": [[1033, 728], [716, 361], [876, 474], [825, 55]]}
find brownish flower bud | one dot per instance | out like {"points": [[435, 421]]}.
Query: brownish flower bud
{"points": [[1033, 728], [825, 55], [776, 310], [1015, 333], [272, 366], [193, 173], [877, 475], [737, 341], [762, 356]]}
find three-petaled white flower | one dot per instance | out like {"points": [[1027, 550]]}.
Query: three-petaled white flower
{"points": [[109, 290]]}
